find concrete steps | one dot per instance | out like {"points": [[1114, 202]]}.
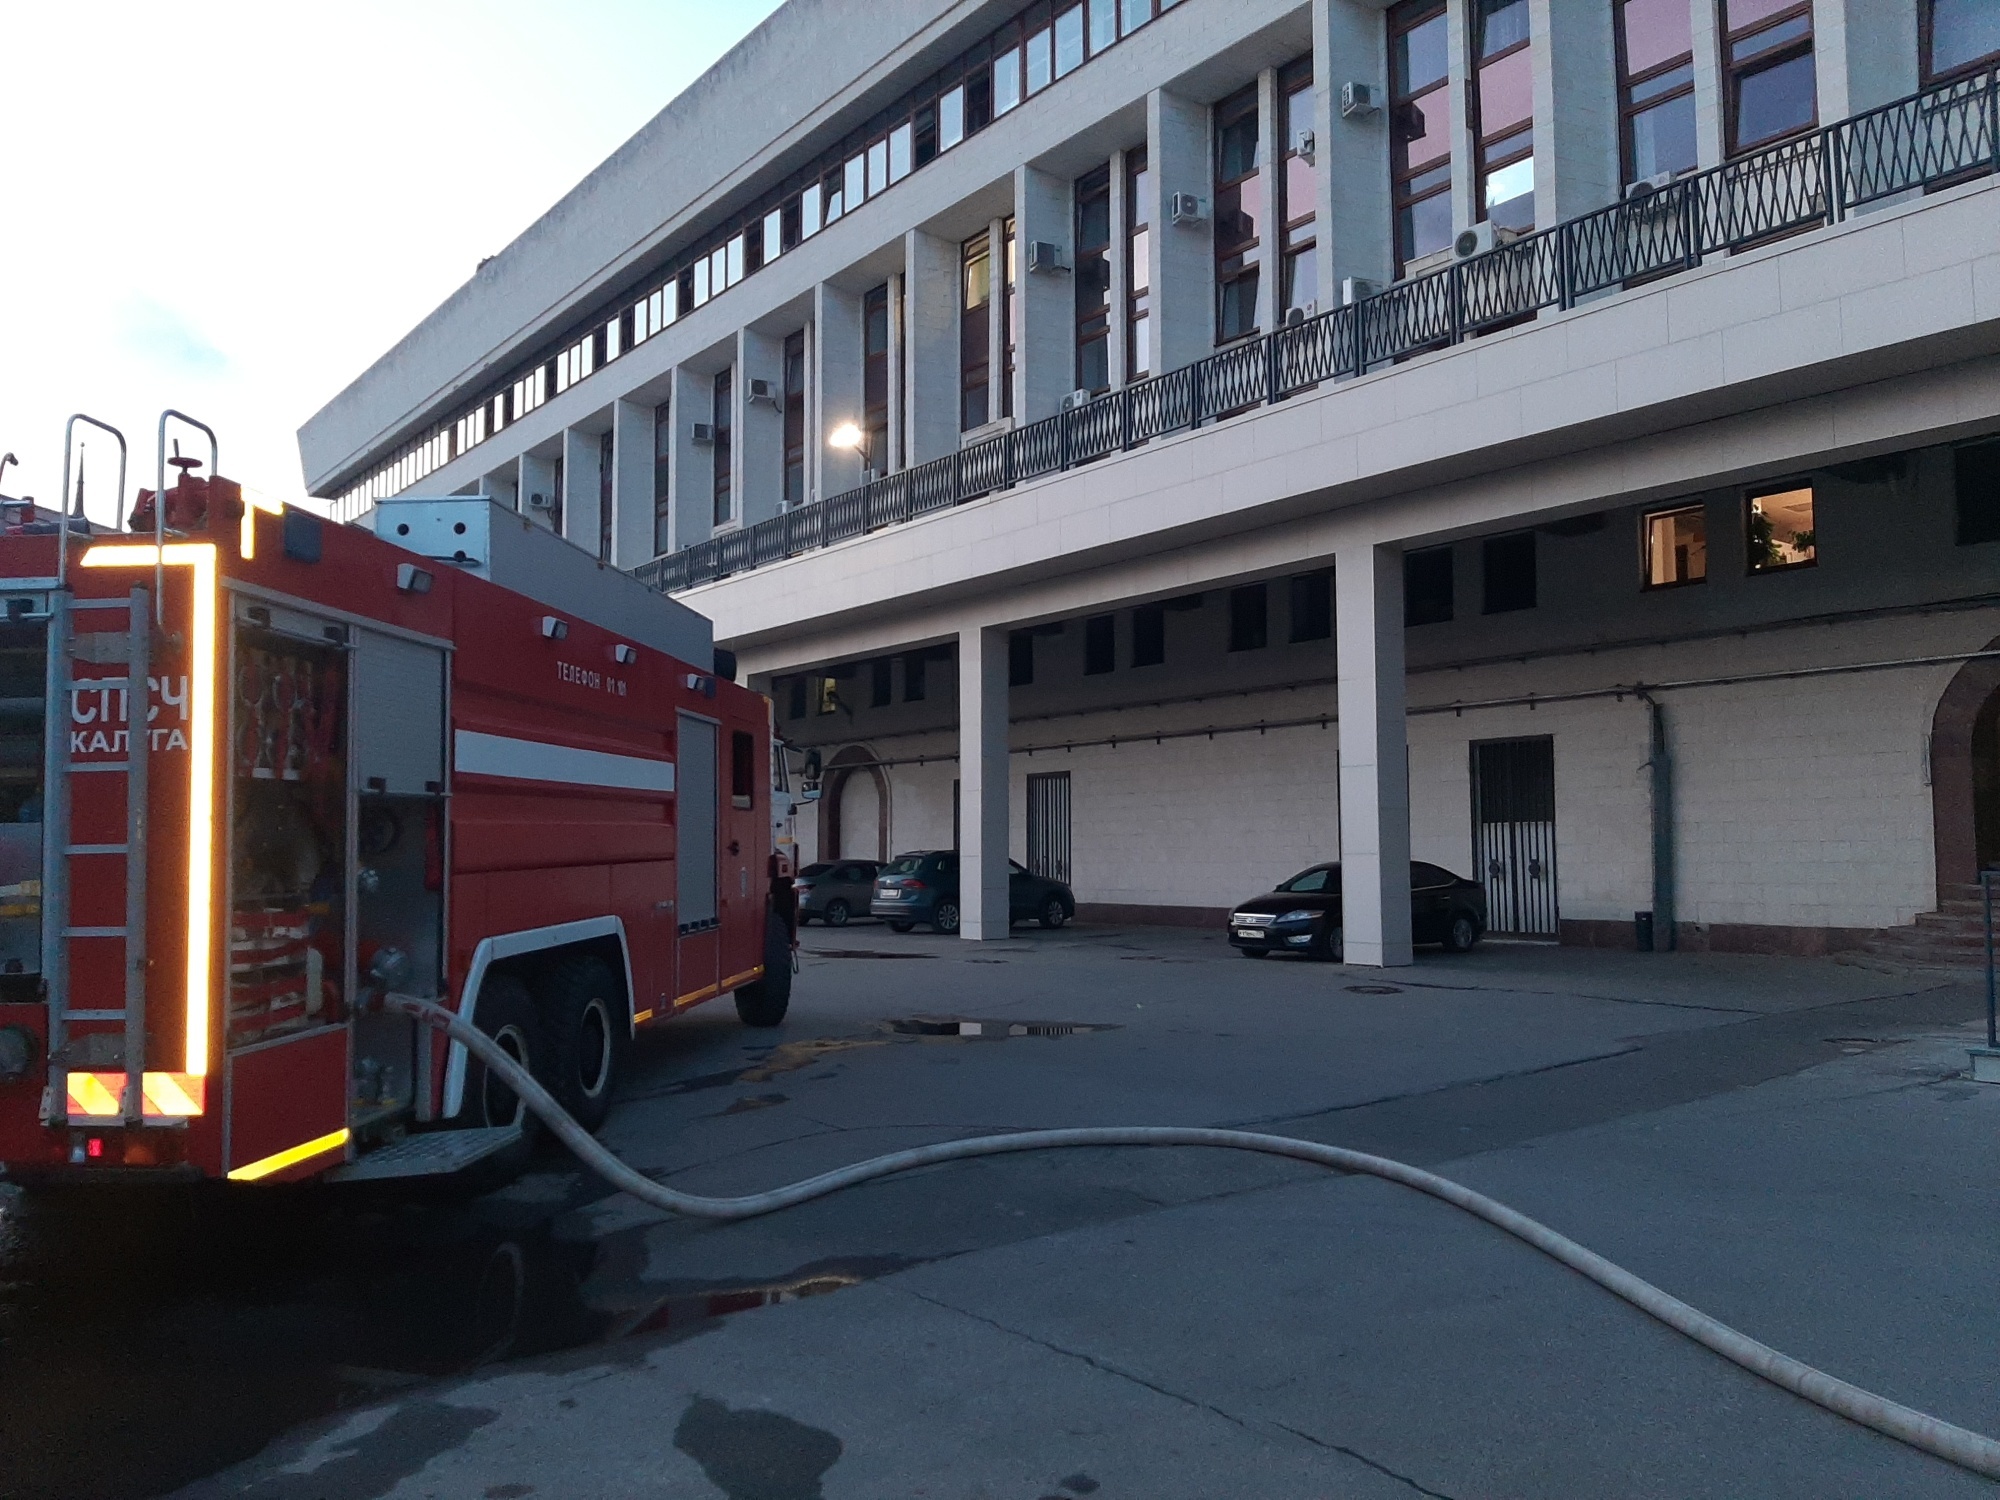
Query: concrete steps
{"points": [[1952, 937]]}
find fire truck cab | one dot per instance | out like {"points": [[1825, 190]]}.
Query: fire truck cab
{"points": [[258, 770]]}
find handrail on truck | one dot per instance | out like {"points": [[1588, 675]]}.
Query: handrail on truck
{"points": [[63, 511]]}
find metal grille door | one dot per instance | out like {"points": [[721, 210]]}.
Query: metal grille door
{"points": [[1048, 825], [1514, 833]]}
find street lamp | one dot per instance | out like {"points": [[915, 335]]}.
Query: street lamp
{"points": [[850, 438]]}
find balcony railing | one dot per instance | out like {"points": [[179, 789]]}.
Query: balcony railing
{"points": [[1944, 135]]}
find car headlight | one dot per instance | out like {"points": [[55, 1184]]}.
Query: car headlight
{"points": [[1295, 916]]}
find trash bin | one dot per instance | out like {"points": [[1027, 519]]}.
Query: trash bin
{"points": [[1642, 931]]}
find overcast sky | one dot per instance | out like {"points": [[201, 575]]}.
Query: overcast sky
{"points": [[233, 208]]}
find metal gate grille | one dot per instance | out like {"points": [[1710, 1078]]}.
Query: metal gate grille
{"points": [[1048, 825], [1514, 833]]}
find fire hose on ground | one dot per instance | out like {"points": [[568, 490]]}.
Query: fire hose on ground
{"points": [[1957, 1445]]}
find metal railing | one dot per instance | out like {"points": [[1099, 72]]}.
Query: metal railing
{"points": [[1943, 135]]}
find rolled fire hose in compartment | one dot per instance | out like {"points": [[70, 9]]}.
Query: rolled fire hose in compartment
{"points": [[1957, 1445]]}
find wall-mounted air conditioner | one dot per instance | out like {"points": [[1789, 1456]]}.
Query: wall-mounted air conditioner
{"points": [[539, 501], [765, 391], [1297, 315], [1357, 99], [1474, 239], [1186, 208], [1075, 399], [704, 434], [1645, 187], [1355, 289], [1045, 257], [1307, 146]]}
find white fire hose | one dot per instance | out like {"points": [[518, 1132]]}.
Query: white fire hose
{"points": [[1957, 1445]]}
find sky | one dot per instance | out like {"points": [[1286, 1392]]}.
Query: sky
{"points": [[233, 208]]}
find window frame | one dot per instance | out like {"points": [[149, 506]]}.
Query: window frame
{"points": [[1239, 260], [1661, 513], [1298, 232], [1518, 140], [1734, 72], [1091, 280], [1628, 82], [1404, 19], [1928, 71], [1765, 492]]}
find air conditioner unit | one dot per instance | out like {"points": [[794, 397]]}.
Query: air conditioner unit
{"points": [[1045, 257], [1475, 239], [763, 390], [539, 501], [704, 434], [1186, 208], [1307, 146], [1075, 399], [1297, 315], [1645, 187], [1357, 99], [1355, 289]]}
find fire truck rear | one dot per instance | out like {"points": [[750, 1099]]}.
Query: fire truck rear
{"points": [[261, 770]]}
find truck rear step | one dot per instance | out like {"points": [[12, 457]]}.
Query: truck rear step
{"points": [[435, 1153]]}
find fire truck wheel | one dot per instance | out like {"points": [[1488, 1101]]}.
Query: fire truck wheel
{"points": [[507, 1014], [586, 1020], [765, 1002]]}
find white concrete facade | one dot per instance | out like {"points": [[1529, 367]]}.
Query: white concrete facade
{"points": [[1795, 811]]}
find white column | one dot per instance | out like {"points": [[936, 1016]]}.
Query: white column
{"points": [[836, 357], [760, 428], [1183, 275], [1355, 233], [1374, 755], [998, 315], [537, 477], [1121, 252], [1464, 177], [582, 478], [504, 486], [1271, 148], [898, 455], [1045, 363], [1708, 142], [690, 469], [931, 316], [982, 778], [1865, 54], [632, 485], [1576, 108]]}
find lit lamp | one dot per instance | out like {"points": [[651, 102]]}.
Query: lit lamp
{"points": [[849, 437]]}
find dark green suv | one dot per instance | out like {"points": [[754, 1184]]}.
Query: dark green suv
{"points": [[923, 887]]}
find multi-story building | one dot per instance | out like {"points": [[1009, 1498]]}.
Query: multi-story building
{"points": [[1179, 441]]}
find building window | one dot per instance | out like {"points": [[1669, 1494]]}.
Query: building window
{"points": [[1427, 586], [1149, 635], [1780, 529], [663, 447], [1976, 482], [1138, 267], [881, 684], [1010, 318], [1312, 607], [1100, 645], [1508, 563], [1249, 618], [829, 696], [1419, 129], [1768, 76], [875, 376], [1020, 658], [914, 663], [1676, 544], [1655, 88], [795, 419], [607, 471], [1093, 281], [1298, 208], [1503, 113], [1958, 36], [974, 323], [724, 409], [1239, 206]]}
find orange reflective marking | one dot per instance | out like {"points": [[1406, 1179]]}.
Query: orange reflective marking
{"points": [[163, 1096]]}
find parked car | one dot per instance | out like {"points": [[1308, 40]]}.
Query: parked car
{"points": [[1303, 914], [837, 891], [922, 886]]}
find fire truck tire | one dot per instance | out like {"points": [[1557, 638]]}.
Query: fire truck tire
{"points": [[584, 1014], [506, 1013], [764, 1002]]}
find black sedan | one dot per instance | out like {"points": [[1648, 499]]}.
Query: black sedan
{"points": [[1303, 914]]}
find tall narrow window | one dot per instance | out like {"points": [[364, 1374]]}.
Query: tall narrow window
{"points": [[1006, 69], [607, 470], [725, 401], [1427, 586], [1138, 267], [1312, 607], [795, 419], [1010, 318], [1419, 129], [1503, 113], [1149, 635], [1093, 281], [663, 447], [1768, 77], [1100, 645], [1299, 200], [1239, 206], [975, 311], [875, 376], [1959, 35], [1508, 563], [1249, 618], [1655, 88], [1676, 546]]}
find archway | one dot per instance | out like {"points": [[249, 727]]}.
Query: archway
{"points": [[840, 835], [1965, 774]]}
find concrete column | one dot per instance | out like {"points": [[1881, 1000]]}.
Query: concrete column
{"points": [[1356, 239], [898, 455], [1576, 108], [690, 477], [1374, 755], [982, 777], [996, 325], [1271, 147], [1708, 136], [632, 515], [537, 476], [1183, 317], [504, 486], [1121, 252], [1464, 180], [931, 282], [1045, 364], [836, 359], [760, 428], [582, 481], [1865, 54]]}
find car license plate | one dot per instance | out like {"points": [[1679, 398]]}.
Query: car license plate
{"points": [[1252, 932]]}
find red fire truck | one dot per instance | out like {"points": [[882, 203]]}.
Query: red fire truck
{"points": [[260, 770]]}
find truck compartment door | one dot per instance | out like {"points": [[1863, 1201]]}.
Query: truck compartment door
{"points": [[695, 860]]}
